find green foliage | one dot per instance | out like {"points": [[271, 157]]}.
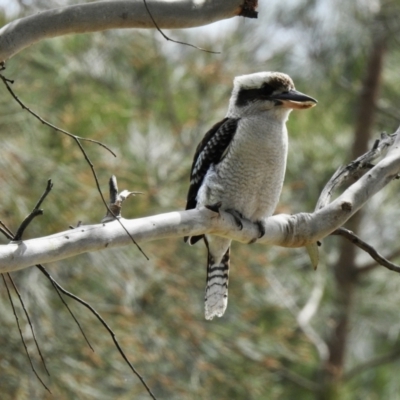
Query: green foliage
{"points": [[151, 102]]}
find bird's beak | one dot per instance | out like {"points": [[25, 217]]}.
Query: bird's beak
{"points": [[294, 99]]}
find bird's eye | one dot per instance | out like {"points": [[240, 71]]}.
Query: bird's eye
{"points": [[267, 89], [247, 96]]}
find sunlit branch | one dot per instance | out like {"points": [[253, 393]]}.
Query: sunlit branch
{"points": [[100, 16], [356, 168], [282, 230]]}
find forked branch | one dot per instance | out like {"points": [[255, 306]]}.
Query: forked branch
{"points": [[282, 230]]}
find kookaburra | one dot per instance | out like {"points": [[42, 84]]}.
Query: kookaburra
{"points": [[239, 166]]}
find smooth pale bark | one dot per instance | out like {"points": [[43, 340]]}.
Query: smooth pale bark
{"points": [[282, 230], [100, 16]]}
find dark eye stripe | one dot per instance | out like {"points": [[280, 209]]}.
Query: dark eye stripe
{"points": [[246, 96]]}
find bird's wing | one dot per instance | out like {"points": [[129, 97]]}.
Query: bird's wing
{"points": [[210, 151]]}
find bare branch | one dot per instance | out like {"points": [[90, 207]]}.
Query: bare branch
{"points": [[29, 321], [282, 230], [366, 247], [34, 213], [104, 15], [22, 337], [7, 81], [172, 40], [369, 267], [356, 168], [56, 287], [103, 322]]}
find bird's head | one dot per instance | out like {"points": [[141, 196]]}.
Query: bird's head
{"points": [[266, 92]]}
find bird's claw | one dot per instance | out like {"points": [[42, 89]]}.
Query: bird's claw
{"points": [[214, 207], [237, 216], [261, 229]]}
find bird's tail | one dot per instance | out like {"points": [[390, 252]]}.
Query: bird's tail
{"points": [[216, 296]]}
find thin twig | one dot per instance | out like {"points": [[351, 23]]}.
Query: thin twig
{"points": [[369, 267], [29, 321], [104, 323], [367, 248], [7, 232], [41, 268], [22, 337], [77, 139], [35, 212], [45, 193], [172, 40], [43, 121]]}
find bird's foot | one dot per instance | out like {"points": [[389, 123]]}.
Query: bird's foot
{"points": [[237, 216], [214, 207], [261, 230]]}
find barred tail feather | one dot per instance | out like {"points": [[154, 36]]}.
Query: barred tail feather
{"points": [[216, 296]]}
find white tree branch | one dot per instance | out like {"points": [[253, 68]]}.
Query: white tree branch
{"points": [[281, 230], [100, 16]]}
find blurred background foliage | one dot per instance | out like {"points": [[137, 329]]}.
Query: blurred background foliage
{"points": [[151, 101]]}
